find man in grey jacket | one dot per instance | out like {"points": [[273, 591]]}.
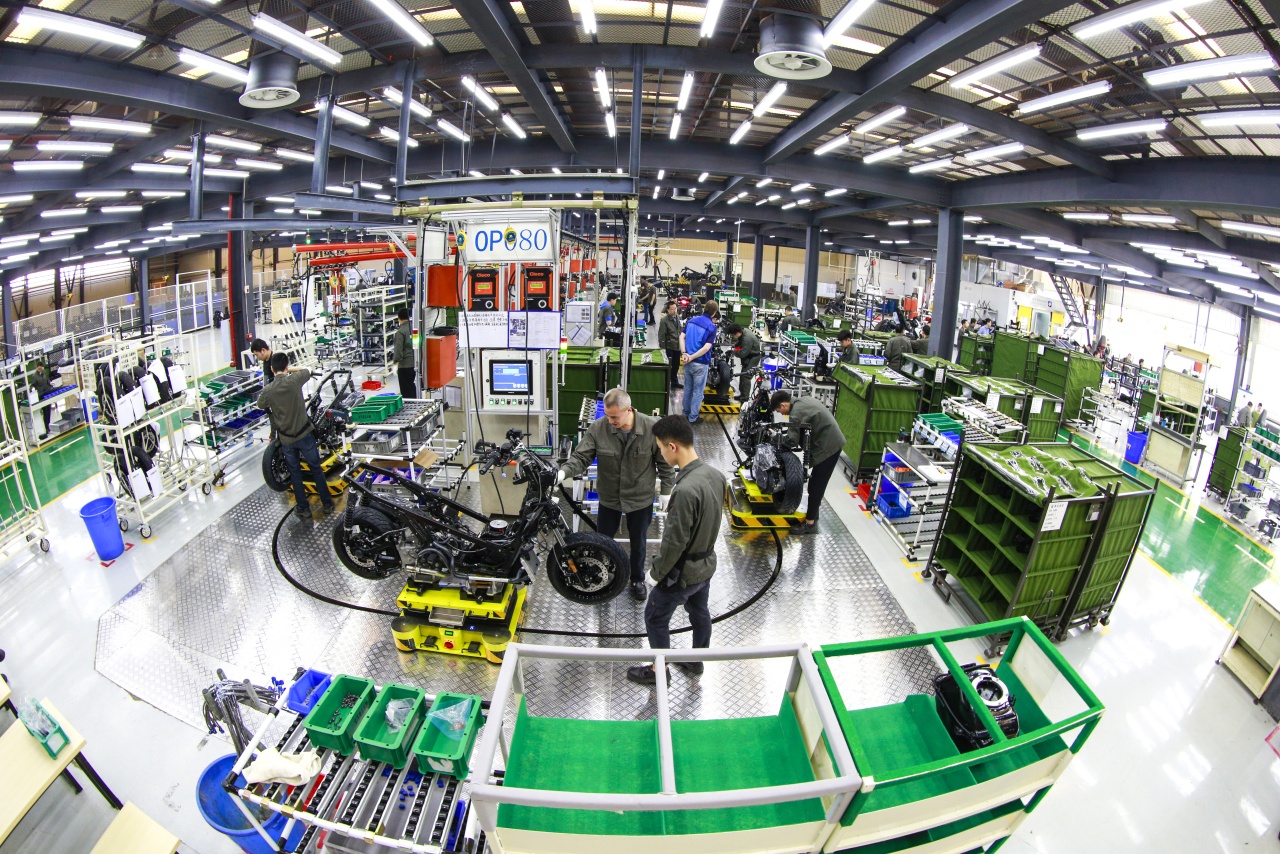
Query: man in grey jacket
{"points": [[628, 467], [747, 347], [686, 559], [402, 353], [669, 332], [896, 347], [825, 442]]}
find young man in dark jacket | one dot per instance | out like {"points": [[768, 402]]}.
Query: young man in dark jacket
{"points": [[686, 559], [748, 349], [825, 443], [402, 353], [669, 340], [898, 345], [283, 401], [261, 351]]}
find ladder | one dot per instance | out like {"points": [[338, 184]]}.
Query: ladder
{"points": [[1071, 304]]}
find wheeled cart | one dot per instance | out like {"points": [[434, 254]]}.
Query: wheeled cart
{"points": [[21, 517]]}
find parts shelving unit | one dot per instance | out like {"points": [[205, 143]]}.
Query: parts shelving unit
{"points": [[875, 405], [1044, 531], [976, 414], [1038, 410], [374, 311], [159, 432], [228, 419], [21, 517], [416, 428], [1013, 356], [976, 352], [932, 373], [1178, 415], [1066, 374], [910, 493]]}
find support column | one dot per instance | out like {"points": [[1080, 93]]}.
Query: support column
{"points": [[1242, 357], [6, 317], [355, 194], [812, 251], [728, 260], [637, 115], [406, 116], [195, 198], [324, 132], [238, 282], [144, 293], [946, 283], [757, 269], [1099, 306]]}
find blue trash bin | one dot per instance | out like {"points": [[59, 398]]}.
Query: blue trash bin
{"points": [[99, 517], [1135, 446], [220, 811]]}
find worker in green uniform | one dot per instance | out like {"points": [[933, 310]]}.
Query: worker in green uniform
{"points": [[848, 353], [750, 352], [261, 351], [790, 320], [920, 346], [896, 347], [283, 402], [669, 340], [686, 559], [402, 353], [825, 442], [605, 319], [40, 382]]}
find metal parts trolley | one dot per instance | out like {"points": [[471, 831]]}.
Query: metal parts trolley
{"points": [[22, 519]]}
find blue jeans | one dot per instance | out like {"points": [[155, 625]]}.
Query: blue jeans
{"points": [[695, 385], [306, 450]]}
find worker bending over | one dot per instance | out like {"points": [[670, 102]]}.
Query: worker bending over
{"points": [[748, 349], [825, 442]]}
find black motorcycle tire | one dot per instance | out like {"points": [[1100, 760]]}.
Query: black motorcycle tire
{"points": [[713, 279], [601, 568], [275, 470], [359, 560], [792, 483], [724, 376]]}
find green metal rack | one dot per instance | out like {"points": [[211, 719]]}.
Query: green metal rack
{"points": [[1042, 531], [581, 376], [1039, 411], [874, 406], [976, 352], [647, 381], [1067, 374], [1014, 356], [1227, 458], [932, 373]]}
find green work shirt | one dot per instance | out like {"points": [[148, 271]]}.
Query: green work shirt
{"points": [[284, 402], [669, 332], [627, 469], [748, 349], [693, 524], [605, 317], [402, 345], [825, 437], [894, 349], [920, 346]]}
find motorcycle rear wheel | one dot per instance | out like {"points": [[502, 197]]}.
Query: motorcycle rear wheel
{"points": [[275, 471], [792, 482], [353, 543], [590, 569]]}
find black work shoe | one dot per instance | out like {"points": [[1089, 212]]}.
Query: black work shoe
{"points": [[329, 507], [643, 674], [693, 668], [677, 385], [638, 591], [303, 511]]}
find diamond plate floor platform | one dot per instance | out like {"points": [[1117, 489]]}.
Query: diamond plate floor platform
{"points": [[220, 603]]}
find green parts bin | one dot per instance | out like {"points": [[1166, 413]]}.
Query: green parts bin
{"points": [[1040, 412], [377, 409], [377, 741], [1013, 356], [445, 750], [332, 723], [648, 380], [581, 375], [932, 373], [874, 405], [976, 353], [1044, 531], [1066, 374]]}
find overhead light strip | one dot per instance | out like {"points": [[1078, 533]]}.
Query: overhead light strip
{"points": [[1004, 62], [288, 35], [1243, 65], [1068, 96]]}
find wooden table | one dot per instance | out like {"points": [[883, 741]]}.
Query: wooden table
{"points": [[29, 771], [135, 832]]}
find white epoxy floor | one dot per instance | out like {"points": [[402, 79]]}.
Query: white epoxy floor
{"points": [[1178, 763]]}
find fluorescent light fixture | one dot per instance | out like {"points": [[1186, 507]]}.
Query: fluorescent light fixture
{"points": [[64, 212], [1130, 13], [486, 100], [396, 97], [610, 125], [452, 130], [288, 35], [743, 130], [788, 206], [686, 89], [740, 197], [45, 20], [120, 209], [67, 232], [948, 132], [514, 171], [838, 191], [831, 145], [587, 9], [898, 222], [770, 98], [300, 156], [402, 19], [710, 16], [280, 200], [74, 145], [764, 182], [94, 123], [339, 189], [180, 154], [1087, 217], [391, 134], [163, 194], [212, 65], [264, 165], [370, 185], [1068, 96], [880, 120], [801, 187], [1243, 65], [1155, 219], [762, 202], [382, 197], [555, 170], [1005, 61], [1238, 118], [656, 191], [602, 88], [1251, 228], [852, 11], [9, 118], [236, 144], [972, 218], [931, 166], [995, 152], [1123, 129], [226, 173], [921, 222], [101, 194], [675, 126], [513, 125], [883, 154], [48, 165], [159, 168], [703, 177], [475, 173], [54, 238], [168, 226], [900, 242], [342, 114]]}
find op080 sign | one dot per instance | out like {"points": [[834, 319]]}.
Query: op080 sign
{"points": [[515, 241]]}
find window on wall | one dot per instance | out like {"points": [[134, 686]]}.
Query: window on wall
{"points": [[1263, 379], [1143, 323]]}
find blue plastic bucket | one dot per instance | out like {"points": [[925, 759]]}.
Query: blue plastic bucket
{"points": [[1134, 447], [220, 811], [99, 517], [770, 367]]}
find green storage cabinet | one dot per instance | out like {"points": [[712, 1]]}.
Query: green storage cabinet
{"points": [[1226, 461], [1066, 374], [976, 352], [647, 381], [932, 372], [1146, 403], [1041, 412], [874, 404], [581, 376], [1014, 356], [1043, 531]]}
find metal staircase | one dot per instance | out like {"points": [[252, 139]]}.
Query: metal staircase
{"points": [[1071, 304]]}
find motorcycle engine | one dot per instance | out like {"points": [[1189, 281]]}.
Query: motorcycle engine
{"points": [[496, 530], [766, 469]]}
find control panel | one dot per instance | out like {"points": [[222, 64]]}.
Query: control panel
{"points": [[513, 380], [537, 288], [483, 289]]}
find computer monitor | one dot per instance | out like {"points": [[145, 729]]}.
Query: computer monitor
{"points": [[509, 377]]}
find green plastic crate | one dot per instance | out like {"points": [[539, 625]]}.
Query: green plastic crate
{"points": [[376, 740], [339, 734], [436, 752]]}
